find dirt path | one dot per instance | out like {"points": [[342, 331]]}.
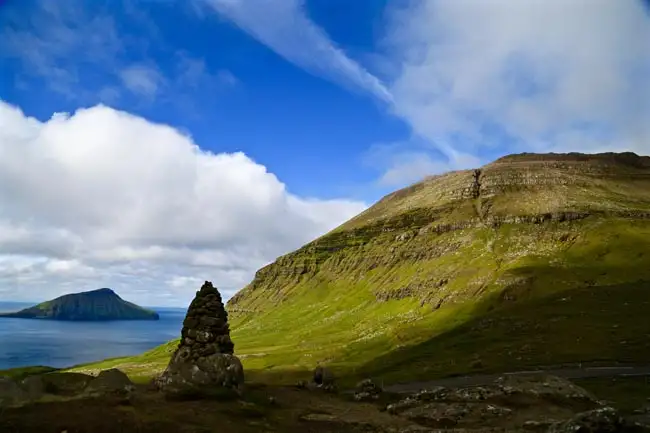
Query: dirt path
{"points": [[477, 380]]}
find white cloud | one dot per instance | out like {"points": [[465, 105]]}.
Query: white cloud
{"points": [[104, 198], [142, 79], [284, 27], [411, 167], [479, 77], [404, 163]]}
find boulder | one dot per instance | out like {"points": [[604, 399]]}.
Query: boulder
{"points": [[323, 376], [447, 415], [601, 420], [367, 390], [537, 403], [65, 384], [111, 381], [546, 387], [203, 365]]}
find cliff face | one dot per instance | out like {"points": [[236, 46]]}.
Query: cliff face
{"points": [[528, 189], [449, 248], [526, 184], [96, 305]]}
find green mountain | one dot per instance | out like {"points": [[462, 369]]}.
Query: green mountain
{"points": [[95, 305], [531, 260]]}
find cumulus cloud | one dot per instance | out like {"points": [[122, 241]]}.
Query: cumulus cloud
{"points": [[284, 27], [104, 198], [493, 77]]}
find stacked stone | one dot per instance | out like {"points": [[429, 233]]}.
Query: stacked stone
{"points": [[204, 361], [205, 328]]}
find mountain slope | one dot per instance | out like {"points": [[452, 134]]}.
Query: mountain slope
{"points": [[469, 250], [95, 305]]}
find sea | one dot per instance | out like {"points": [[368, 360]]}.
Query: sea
{"points": [[25, 342]]}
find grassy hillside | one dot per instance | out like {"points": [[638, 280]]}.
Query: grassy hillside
{"points": [[530, 260]]}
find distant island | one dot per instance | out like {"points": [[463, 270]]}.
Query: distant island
{"points": [[95, 305]]}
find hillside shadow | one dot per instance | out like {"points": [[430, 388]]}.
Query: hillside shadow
{"points": [[520, 328]]}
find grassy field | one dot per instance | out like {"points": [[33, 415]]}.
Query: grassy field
{"points": [[579, 300], [511, 292]]}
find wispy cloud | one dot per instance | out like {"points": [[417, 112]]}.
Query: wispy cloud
{"points": [[194, 73], [403, 163], [82, 51], [55, 39], [479, 79], [142, 79], [491, 77], [284, 27]]}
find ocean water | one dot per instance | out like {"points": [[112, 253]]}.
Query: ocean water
{"points": [[25, 342]]}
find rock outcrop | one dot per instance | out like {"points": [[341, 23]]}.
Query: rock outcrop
{"points": [[111, 381], [367, 390], [64, 386], [601, 420], [513, 404], [204, 363]]}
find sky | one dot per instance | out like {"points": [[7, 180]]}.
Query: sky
{"points": [[150, 145]]}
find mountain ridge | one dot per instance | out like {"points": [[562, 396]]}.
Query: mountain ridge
{"points": [[469, 202], [454, 247]]}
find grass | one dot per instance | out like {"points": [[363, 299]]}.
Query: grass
{"points": [[516, 296], [590, 324], [338, 320], [23, 372], [140, 368]]}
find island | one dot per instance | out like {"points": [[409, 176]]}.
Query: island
{"points": [[95, 305]]}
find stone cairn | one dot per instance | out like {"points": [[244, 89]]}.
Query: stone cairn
{"points": [[205, 328], [203, 363]]}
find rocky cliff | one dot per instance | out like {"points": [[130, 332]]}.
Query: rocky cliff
{"points": [[452, 248], [517, 189], [95, 305]]}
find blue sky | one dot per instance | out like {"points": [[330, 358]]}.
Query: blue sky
{"points": [[238, 95], [157, 143]]}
